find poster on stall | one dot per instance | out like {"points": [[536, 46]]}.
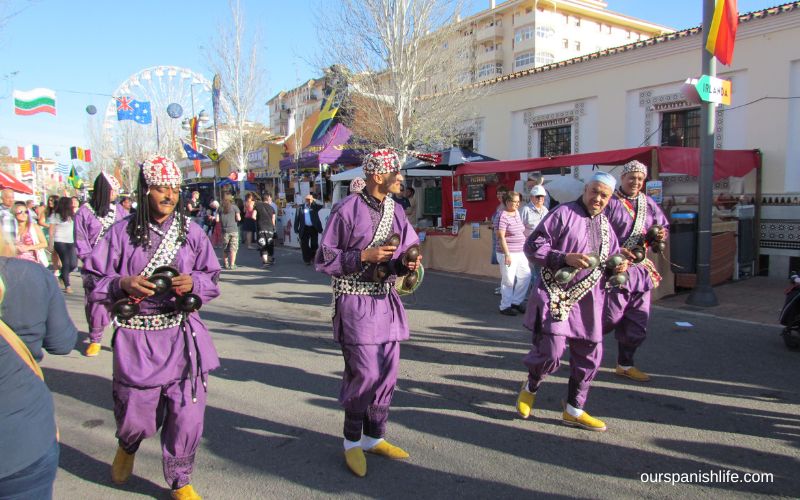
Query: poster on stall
{"points": [[655, 189], [455, 227], [460, 214], [476, 230], [457, 201]]}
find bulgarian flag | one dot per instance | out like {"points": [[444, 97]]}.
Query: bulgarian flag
{"points": [[722, 33], [34, 101]]}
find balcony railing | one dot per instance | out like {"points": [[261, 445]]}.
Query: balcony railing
{"points": [[489, 33], [483, 57]]}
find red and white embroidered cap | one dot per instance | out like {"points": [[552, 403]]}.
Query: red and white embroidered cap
{"points": [[381, 161], [634, 166], [161, 171], [112, 181]]}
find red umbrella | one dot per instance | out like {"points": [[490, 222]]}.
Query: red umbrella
{"points": [[9, 182]]}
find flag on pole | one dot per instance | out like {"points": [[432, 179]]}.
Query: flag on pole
{"points": [[192, 153], [129, 108], [722, 32], [327, 112], [73, 179], [20, 153], [26, 169], [62, 168], [31, 102]]}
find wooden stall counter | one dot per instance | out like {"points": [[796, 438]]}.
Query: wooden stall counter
{"points": [[462, 253]]}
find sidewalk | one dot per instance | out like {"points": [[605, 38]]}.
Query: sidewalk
{"points": [[758, 299]]}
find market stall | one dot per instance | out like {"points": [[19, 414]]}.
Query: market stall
{"points": [[475, 194]]}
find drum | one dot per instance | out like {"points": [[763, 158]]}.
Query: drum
{"points": [[409, 283]]}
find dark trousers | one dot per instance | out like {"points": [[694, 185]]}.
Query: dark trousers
{"points": [[268, 248], [308, 243], [34, 482], [69, 259]]}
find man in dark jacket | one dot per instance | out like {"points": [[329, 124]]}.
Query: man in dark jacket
{"points": [[308, 226]]}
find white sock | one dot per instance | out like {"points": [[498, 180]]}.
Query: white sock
{"points": [[350, 444], [574, 412], [369, 442], [625, 367]]}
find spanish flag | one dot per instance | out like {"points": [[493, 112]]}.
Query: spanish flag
{"points": [[722, 33]]}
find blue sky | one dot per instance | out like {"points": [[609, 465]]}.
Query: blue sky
{"points": [[92, 46]]}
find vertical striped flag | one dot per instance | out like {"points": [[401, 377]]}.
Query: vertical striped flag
{"points": [[26, 152], [722, 32]]}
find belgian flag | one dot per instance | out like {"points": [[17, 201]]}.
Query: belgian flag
{"points": [[722, 32]]}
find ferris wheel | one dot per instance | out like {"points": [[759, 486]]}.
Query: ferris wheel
{"points": [[163, 87]]}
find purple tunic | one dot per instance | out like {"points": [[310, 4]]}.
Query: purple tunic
{"points": [[622, 223], [362, 319], [567, 229], [88, 227], [154, 358], [87, 230]]}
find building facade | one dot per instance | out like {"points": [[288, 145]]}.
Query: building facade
{"points": [[522, 34]]}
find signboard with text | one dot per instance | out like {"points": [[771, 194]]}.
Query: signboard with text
{"points": [[712, 89]]}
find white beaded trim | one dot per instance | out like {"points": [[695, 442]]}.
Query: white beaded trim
{"points": [[151, 322], [105, 222]]}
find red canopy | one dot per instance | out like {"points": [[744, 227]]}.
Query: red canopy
{"points": [[672, 160], [9, 182], [727, 162]]}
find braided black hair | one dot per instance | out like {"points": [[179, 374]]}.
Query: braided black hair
{"points": [[101, 196], [139, 224]]}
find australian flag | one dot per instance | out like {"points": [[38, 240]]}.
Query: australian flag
{"points": [[131, 109], [192, 153]]}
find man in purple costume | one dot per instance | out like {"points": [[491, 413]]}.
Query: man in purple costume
{"points": [[631, 213], [91, 223], [369, 320], [162, 356], [570, 314]]}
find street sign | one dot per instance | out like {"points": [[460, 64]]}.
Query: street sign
{"points": [[713, 89], [213, 155]]}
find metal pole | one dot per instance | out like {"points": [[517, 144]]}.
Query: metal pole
{"points": [[703, 294]]}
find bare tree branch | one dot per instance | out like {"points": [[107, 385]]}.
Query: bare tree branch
{"points": [[235, 59], [411, 82]]}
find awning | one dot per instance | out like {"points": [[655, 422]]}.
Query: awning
{"points": [[12, 183], [615, 157], [727, 162], [671, 160]]}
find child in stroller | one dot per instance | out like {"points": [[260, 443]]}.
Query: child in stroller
{"points": [[790, 315]]}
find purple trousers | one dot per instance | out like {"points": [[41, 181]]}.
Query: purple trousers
{"points": [[627, 314], [544, 358], [140, 412], [370, 375], [98, 318]]}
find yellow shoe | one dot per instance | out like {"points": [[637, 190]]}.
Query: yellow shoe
{"points": [[93, 349], [525, 401], [185, 493], [388, 450], [585, 421], [356, 461], [122, 467], [633, 373]]}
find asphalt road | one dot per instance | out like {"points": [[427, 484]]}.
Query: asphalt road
{"points": [[724, 399]]}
